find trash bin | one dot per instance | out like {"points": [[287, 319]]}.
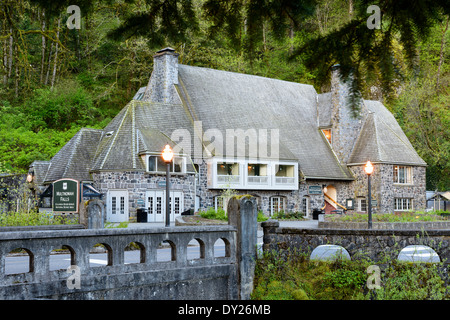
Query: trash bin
{"points": [[188, 212], [141, 215], [316, 213]]}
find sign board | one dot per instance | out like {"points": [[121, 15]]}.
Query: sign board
{"points": [[349, 204], [374, 203], [140, 203], [315, 190], [161, 183], [66, 196]]}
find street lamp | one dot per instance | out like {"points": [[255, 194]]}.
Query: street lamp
{"points": [[368, 168], [167, 156]]}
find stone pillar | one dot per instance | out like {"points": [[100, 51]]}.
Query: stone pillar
{"points": [[96, 214], [243, 215], [269, 227]]}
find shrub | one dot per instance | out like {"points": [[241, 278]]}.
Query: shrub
{"points": [[33, 218], [288, 215], [213, 214]]}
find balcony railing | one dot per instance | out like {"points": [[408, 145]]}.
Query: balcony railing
{"points": [[228, 179], [284, 180], [257, 179]]}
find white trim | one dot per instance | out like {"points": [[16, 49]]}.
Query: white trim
{"points": [[241, 181]]}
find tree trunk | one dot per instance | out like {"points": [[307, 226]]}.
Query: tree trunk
{"points": [[11, 42], [43, 49], [56, 55], [441, 55]]}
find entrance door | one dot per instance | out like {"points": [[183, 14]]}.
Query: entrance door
{"points": [[156, 205], [117, 206], [176, 204]]}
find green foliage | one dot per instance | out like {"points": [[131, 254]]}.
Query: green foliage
{"points": [[213, 214], [290, 275], [33, 218], [45, 97], [65, 106], [261, 216], [282, 215], [220, 214], [407, 281]]}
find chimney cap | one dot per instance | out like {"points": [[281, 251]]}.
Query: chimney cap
{"points": [[335, 66], [167, 49]]}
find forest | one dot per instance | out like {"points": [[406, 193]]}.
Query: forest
{"points": [[55, 79]]}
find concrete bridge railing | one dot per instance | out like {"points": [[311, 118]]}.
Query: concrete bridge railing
{"points": [[208, 276], [148, 279]]}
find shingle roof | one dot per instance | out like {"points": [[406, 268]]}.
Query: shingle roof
{"points": [[382, 140], [40, 169], [140, 127], [228, 100], [75, 157]]}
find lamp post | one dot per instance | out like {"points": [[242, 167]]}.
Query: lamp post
{"points": [[368, 168], [167, 156]]}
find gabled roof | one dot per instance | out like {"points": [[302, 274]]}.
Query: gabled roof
{"points": [[39, 169], [224, 100], [229, 100], [75, 158], [140, 127], [382, 140]]}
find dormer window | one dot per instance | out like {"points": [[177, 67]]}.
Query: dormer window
{"points": [[156, 164], [327, 134]]}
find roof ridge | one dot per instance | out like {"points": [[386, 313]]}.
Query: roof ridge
{"points": [[76, 142], [374, 119], [115, 135], [247, 74], [405, 143]]}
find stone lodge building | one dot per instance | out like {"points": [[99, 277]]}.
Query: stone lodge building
{"points": [[282, 142]]}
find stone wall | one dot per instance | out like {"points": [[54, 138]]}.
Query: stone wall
{"points": [[138, 182], [345, 128], [207, 277], [384, 191], [374, 244], [425, 225]]}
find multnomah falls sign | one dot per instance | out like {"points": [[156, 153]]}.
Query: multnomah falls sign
{"points": [[66, 196]]}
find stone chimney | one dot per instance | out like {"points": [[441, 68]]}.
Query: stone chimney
{"points": [[345, 128], [161, 87]]}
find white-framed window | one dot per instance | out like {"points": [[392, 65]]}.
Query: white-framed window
{"points": [[403, 204], [284, 174], [218, 202], [305, 206], [228, 172], [277, 204], [362, 204], [257, 173], [402, 174], [156, 164]]}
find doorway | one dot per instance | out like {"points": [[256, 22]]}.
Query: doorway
{"points": [[155, 202], [117, 206]]}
